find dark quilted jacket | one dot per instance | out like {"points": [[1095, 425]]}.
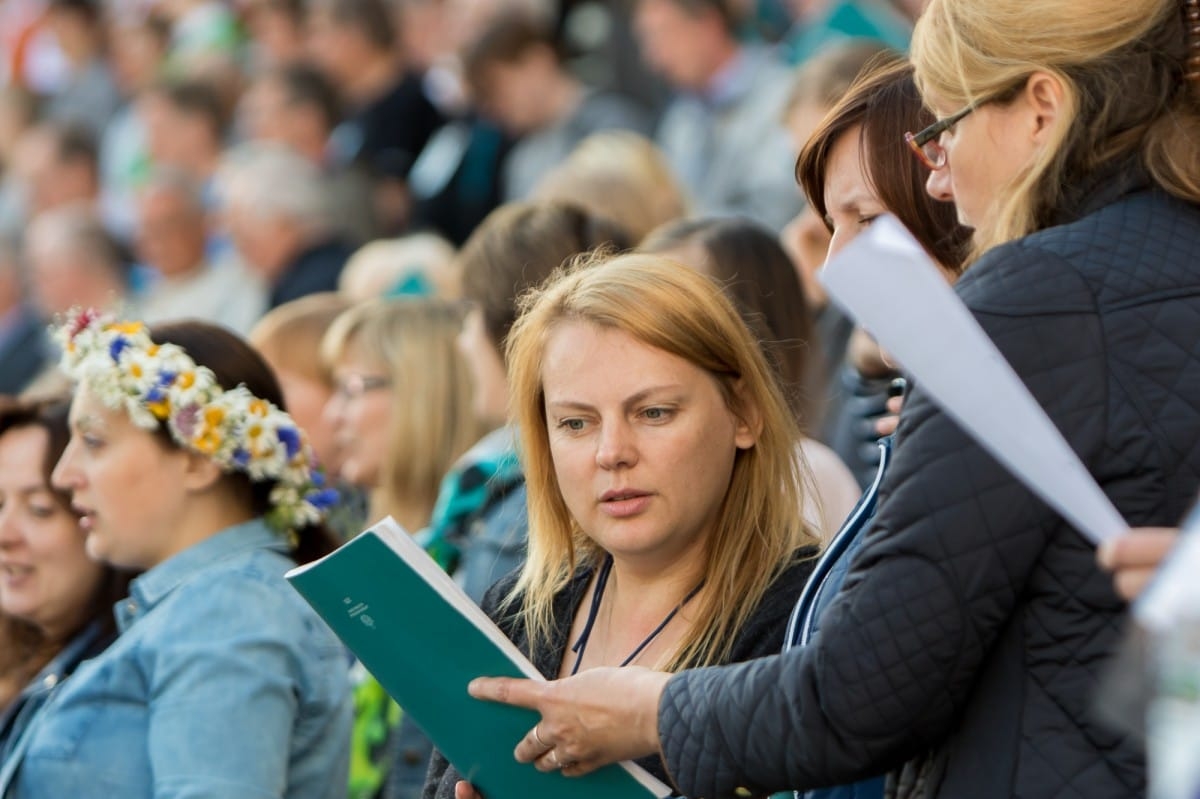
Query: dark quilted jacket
{"points": [[973, 627]]}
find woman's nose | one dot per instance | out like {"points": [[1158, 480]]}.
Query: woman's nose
{"points": [[938, 185], [616, 448]]}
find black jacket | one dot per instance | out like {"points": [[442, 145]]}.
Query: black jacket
{"points": [[762, 635], [974, 623]]}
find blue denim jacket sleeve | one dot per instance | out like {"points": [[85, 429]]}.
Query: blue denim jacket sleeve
{"points": [[236, 665]]}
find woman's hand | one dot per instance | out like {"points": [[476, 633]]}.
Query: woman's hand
{"points": [[464, 790], [598, 717], [886, 425], [1134, 557]]}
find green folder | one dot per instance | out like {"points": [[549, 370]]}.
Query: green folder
{"points": [[416, 631]]}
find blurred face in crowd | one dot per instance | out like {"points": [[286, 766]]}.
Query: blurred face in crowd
{"points": [[268, 115], [512, 92], [136, 55], [171, 232], [642, 441], [678, 45], [178, 138], [360, 413], [46, 577], [267, 243], [62, 276], [51, 181], [130, 488], [335, 48], [487, 370], [278, 37]]}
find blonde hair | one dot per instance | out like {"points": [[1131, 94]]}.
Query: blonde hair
{"points": [[759, 525], [1121, 63], [289, 336], [432, 422], [618, 175], [378, 269]]}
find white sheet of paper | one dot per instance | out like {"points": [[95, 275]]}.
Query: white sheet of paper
{"points": [[1174, 595], [887, 282]]}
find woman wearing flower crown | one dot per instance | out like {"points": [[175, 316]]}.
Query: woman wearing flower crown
{"points": [[222, 682]]}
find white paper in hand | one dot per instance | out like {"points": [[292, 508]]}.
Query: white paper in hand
{"points": [[887, 282], [1174, 595]]}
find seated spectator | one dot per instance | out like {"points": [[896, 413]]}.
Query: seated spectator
{"points": [[74, 263], [390, 117], [185, 123], [620, 175], [748, 262], [518, 79], [421, 264], [277, 35], [400, 409], [18, 114], [56, 166], [296, 105], [172, 239], [275, 208], [175, 482], [23, 342], [722, 132], [664, 491], [55, 602], [401, 416], [88, 96]]}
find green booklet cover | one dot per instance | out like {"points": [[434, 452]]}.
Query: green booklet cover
{"points": [[416, 631]]}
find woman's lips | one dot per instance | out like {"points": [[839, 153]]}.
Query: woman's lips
{"points": [[623, 504]]}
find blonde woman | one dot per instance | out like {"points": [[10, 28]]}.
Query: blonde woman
{"points": [[664, 495], [401, 404], [974, 622]]}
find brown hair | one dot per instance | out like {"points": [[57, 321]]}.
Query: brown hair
{"points": [[506, 39], [517, 247], [826, 77], [289, 336], [24, 650], [885, 103], [234, 362], [1122, 65], [748, 261], [758, 527]]}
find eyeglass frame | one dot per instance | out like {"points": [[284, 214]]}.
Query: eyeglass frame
{"points": [[917, 141], [356, 386]]}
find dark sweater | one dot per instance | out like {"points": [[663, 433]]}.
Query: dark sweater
{"points": [[762, 635]]}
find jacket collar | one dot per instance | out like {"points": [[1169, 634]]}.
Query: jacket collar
{"points": [[152, 587], [1104, 186]]}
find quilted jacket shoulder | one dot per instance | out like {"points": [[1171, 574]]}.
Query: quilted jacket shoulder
{"points": [[974, 623]]}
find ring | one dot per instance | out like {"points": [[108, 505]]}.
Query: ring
{"points": [[538, 738]]}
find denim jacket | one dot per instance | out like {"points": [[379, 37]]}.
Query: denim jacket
{"points": [[223, 683]]}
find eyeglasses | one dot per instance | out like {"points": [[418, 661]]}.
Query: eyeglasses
{"points": [[925, 144], [355, 386]]}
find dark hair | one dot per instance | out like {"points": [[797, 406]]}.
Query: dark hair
{"points": [[885, 102], [506, 39], [88, 10], [25, 650], [723, 9], [304, 84], [517, 247], [371, 18], [197, 98], [74, 143], [235, 363], [757, 274]]}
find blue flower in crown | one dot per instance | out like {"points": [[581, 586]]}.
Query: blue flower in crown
{"points": [[160, 385]]}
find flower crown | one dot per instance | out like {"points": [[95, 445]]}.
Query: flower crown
{"points": [[160, 384]]}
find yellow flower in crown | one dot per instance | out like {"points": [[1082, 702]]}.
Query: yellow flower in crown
{"points": [[159, 385]]}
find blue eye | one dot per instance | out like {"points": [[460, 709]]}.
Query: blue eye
{"points": [[657, 414], [574, 425]]}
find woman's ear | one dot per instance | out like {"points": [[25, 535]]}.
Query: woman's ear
{"points": [[200, 472], [1046, 96], [747, 418]]}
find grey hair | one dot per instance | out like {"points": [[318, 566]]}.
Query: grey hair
{"points": [[267, 179], [178, 183]]}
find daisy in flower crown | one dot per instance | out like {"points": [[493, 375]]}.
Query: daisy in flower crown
{"points": [[159, 386]]}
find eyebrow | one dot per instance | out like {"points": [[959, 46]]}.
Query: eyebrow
{"points": [[632, 399]]}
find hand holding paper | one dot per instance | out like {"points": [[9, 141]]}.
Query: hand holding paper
{"points": [[888, 283]]}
